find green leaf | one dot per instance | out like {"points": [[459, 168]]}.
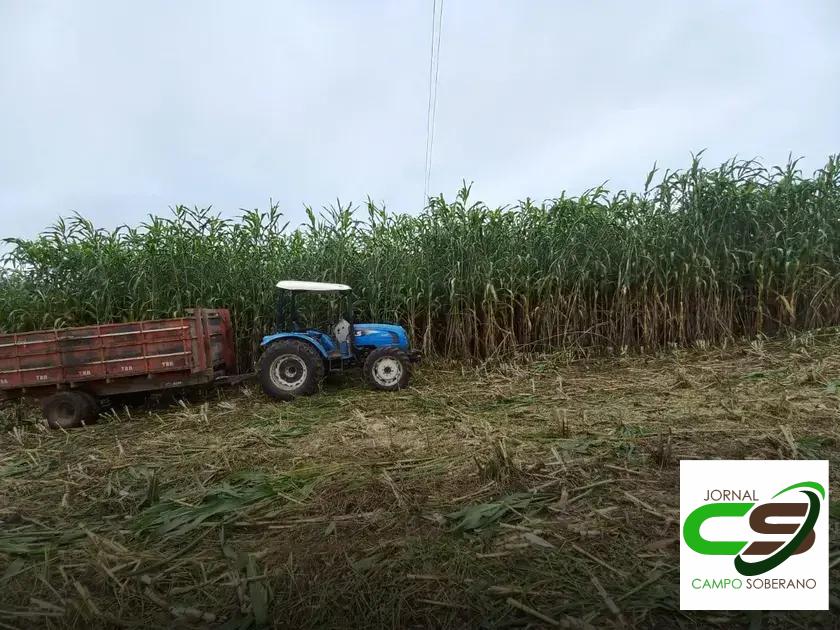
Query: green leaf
{"points": [[481, 515], [365, 564], [16, 567], [257, 591]]}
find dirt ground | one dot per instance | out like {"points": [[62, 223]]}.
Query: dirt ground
{"points": [[536, 493]]}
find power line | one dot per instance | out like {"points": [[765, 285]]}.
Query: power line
{"points": [[434, 100], [431, 110], [429, 106]]}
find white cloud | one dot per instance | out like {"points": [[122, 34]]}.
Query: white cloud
{"points": [[117, 110]]}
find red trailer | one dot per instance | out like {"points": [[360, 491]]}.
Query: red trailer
{"points": [[69, 369]]}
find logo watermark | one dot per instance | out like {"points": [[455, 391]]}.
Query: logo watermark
{"points": [[754, 535]]}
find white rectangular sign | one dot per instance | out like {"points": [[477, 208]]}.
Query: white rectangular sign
{"points": [[753, 535]]}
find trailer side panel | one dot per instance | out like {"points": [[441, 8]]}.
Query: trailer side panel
{"points": [[110, 358]]}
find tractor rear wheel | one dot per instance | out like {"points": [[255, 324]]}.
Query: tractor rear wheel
{"points": [[387, 369], [290, 368], [67, 410]]}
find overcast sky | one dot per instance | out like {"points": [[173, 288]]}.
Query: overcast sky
{"points": [[117, 109]]}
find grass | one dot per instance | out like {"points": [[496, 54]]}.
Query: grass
{"points": [[509, 494], [699, 255]]}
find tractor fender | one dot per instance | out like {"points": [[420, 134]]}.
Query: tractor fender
{"points": [[269, 339]]}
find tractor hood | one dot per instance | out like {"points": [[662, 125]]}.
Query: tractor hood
{"points": [[380, 335]]}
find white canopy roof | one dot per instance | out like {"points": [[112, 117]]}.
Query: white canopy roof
{"points": [[301, 285]]}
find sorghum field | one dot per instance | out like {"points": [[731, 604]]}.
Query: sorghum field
{"points": [[699, 255], [577, 350]]}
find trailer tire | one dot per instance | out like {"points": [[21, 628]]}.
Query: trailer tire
{"points": [[93, 407], [290, 368], [387, 369], [68, 410]]}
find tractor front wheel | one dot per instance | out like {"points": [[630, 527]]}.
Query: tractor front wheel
{"points": [[290, 368], [387, 369]]}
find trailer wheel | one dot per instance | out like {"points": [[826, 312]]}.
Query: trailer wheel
{"points": [[67, 410], [93, 407], [387, 369], [290, 368]]}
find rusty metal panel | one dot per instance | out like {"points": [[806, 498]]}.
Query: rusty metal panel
{"points": [[110, 354]]}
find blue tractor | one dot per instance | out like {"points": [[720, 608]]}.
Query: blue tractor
{"points": [[294, 363]]}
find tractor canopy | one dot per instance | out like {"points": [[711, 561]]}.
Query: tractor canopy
{"points": [[288, 317], [312, 287]]}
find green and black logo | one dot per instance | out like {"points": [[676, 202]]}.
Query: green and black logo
{"points": [[799, 538]]}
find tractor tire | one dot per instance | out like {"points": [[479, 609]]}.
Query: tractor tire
{"points": [[290, 368], [387, 369], [68, 410]]}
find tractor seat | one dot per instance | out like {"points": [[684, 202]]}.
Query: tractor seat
{"points": [[341, 331]]}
